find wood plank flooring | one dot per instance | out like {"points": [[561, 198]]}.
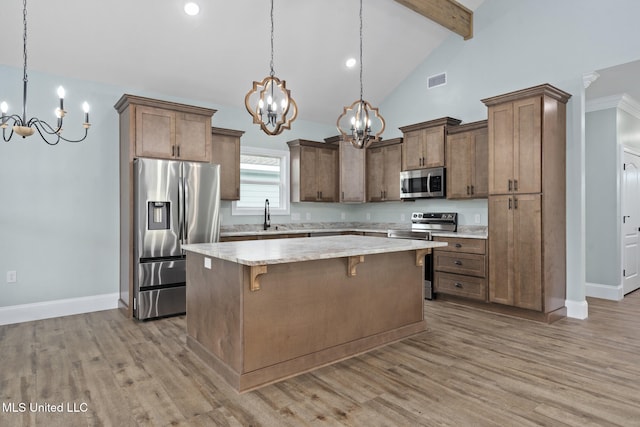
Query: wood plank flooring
{"points": [[471, 368]]}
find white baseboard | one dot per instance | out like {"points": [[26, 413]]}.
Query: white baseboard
{"points": [[598, 290], [577, 309], [58, 308]]}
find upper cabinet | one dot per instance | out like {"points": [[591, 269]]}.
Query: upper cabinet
{"points": [[423, 145], [384, 163], [165, 130], [351, 171], [467, 161], [314, 171], [225, 151], [515, 144]]}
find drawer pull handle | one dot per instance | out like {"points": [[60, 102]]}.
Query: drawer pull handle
{"points": [[458, 285], [458, 245], [457, 262]]}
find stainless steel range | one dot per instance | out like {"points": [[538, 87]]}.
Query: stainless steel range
{"points": [[423, 224]]}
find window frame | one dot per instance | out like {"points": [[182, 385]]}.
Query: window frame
{"points": [[285, 204]]}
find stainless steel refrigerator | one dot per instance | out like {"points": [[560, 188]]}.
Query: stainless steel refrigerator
{"points": [[175, 203]]}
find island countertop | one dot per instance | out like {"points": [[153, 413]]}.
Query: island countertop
{"points": [[281, 251]]}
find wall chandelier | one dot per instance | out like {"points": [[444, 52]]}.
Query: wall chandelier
{"points": [[275, 109], [354, 124], [23, 127]]}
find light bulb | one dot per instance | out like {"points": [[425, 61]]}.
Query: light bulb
{"points": [[261, 104], [4, 107], [61, 92], [85, 107], [191, 9], [269, 100], [353, 120], [284, 104]]}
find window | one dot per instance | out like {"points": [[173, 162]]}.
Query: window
{"points": [[264, 174]]}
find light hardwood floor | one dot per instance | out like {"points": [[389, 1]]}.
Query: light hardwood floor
{"points": [[471, 368]]}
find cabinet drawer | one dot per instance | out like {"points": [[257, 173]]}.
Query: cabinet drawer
{"points": [[464, 286], [459, 244], [471, 264]]}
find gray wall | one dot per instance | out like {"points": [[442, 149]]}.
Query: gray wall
{"points": [[602, 197]]}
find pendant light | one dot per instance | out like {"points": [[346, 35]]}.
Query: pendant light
{"points": [[354, 124], [23, 127], [274, 109]]}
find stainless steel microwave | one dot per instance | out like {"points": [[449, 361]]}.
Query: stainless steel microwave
{"points": [[422, 183]]}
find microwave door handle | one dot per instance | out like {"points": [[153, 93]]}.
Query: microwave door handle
{"points": [[429, 183]]}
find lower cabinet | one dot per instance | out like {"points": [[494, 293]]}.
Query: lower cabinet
{"points": [[460, 268]]}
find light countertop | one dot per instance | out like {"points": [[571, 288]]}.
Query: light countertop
{"points": [[281, 251], [464, 231]]}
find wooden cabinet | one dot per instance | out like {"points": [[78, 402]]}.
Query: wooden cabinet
{"points": [[467, 161], [314, 167], [423, 143], [527, 225], [156, 129], [384, 162], [460, 269], [516, 143], [225, 151], [351, 171], [165, 130], [516, 248]]}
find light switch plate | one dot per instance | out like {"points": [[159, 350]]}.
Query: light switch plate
{"points": [[207, 263]]}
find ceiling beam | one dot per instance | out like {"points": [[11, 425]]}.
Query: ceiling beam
{"points": [[448, 13]]}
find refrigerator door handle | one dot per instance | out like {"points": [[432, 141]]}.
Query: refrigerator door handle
{"points": [[181, 210]]}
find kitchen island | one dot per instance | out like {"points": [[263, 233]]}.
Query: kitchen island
{"points": [[261, 311]]}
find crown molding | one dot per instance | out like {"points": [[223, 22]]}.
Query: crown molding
{"points": [[622, 102]]}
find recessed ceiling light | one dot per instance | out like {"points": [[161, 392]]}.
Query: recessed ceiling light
{"points": [[351, 62], [191, 8]]}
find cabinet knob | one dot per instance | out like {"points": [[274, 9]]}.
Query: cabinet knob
{"points": [[515, 185], [458, 285], [458, 245], [468, 190], [472, 190], [510, 185], [178, 151], [457, 262]]}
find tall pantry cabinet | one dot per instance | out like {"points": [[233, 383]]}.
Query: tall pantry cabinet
{"points": [[527, 247]]}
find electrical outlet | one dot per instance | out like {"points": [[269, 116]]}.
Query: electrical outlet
{"points": [[12, 276], [295, 216], [476, 218]]}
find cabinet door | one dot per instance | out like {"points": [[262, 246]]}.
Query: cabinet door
{"points": [[193, 137], [527, 154], [500, 148], [155, 133], [433, 140], [527, 243], [225, 151], [308, 173], [459, 158], [375, 174], [392, 167], [480, 164], [327, 174], [412, 154], [500, 250], [352, 173]]}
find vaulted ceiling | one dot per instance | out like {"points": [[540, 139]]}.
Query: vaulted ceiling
{"points": [[147, 45]]}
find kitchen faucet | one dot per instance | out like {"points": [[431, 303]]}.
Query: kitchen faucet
{"points": [[267, 215]]}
